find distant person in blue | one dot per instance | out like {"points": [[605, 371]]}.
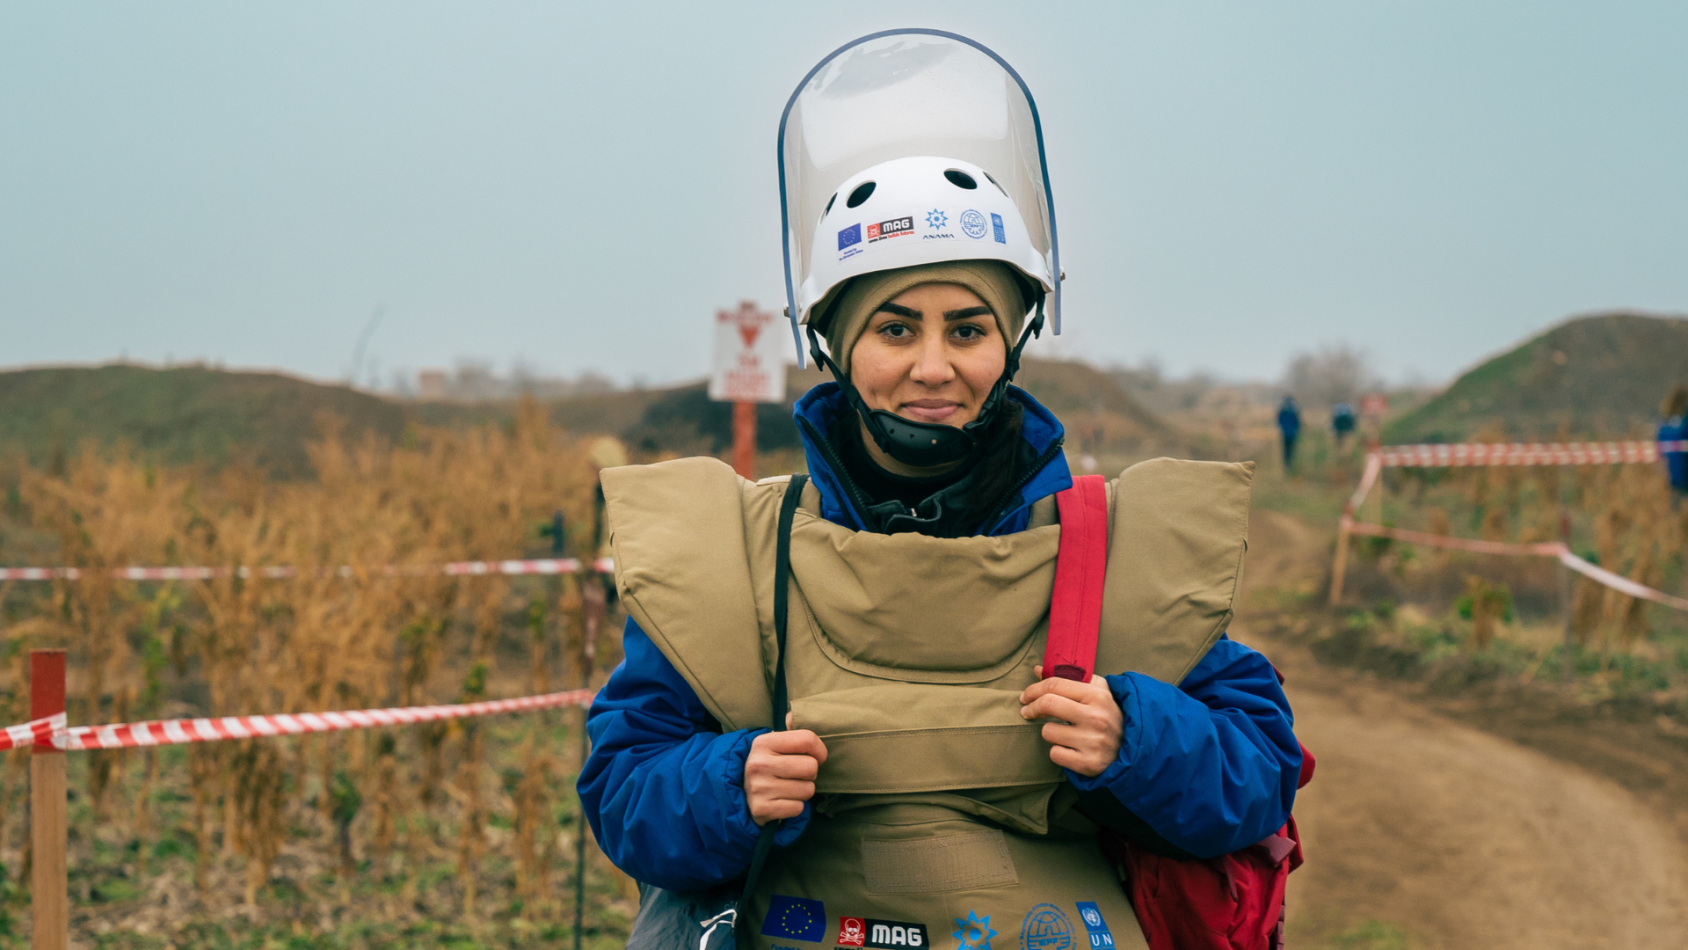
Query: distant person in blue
{"points": [[1675, 429], [1342, 422], [1289, 423]]}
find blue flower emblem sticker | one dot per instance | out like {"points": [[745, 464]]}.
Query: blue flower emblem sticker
{"points": [[937, 220], [975, 933]]}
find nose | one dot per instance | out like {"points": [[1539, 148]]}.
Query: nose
{"points": [[932, 364]]}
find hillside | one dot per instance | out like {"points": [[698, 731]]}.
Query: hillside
{"points": [[199, 415], [182, 415], [1599, 376]]}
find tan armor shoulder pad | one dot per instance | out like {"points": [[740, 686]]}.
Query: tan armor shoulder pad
{"points": [[1178, 530], [689, 535]]}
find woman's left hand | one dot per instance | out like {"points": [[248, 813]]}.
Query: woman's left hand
{"points": [[1086, 738]]}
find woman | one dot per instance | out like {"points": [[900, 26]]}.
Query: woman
{"points": [[933, 784]]}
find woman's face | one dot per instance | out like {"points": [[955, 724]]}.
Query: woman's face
{"points": [[930, 354]]}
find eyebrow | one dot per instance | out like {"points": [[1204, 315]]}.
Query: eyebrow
{"points": [[962, 314]]}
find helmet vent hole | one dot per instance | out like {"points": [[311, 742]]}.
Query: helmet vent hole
{"points": [[996, 183], [863, 192], [961, 179], [829, 204]]}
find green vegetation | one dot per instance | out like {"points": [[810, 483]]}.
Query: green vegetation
{"points": [[1371, 935], [1592, 377]]}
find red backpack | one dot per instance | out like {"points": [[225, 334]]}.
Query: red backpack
{"points": [[1232, 902]]}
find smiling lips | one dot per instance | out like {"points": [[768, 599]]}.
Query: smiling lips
{"points": [[930, 410]]}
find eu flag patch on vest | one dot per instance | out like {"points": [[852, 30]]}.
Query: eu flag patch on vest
{"points": [[1100, 937], [795, 918]]}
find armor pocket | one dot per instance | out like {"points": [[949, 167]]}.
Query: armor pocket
{"points": [[944, 863], [914, 737]]}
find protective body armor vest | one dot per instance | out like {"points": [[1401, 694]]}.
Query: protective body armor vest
{"points": [[938, 813]]}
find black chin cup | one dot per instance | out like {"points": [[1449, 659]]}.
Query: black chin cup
{"points": [[926, 444]]}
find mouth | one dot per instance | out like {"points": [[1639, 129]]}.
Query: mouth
{"points": [[930, 410]]}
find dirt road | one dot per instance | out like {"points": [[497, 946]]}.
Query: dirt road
{"points": [[1421, 828]]}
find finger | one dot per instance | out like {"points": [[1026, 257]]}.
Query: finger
{"points": [[1073, 737], [803, 768], [788, 720], [1087, 765], [766, 789], [1053, 706], [1084, 692], [794, 742], [775, 765], [775, 810]]}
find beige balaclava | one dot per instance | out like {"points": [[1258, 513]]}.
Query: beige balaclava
{"points": [[995, 283]]}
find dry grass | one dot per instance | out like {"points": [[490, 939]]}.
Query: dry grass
{"points": [[358, 827]]}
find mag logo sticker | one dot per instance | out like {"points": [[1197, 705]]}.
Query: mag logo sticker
{"points": [[886, 230], [895, 935]]}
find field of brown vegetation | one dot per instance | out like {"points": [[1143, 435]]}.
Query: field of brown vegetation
{"points": [[456, 834]]}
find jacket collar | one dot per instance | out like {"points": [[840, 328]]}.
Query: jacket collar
{"points": [[821, 405]]}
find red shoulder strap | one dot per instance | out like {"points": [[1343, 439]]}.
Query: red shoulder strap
{"points": [[1075, 609]]}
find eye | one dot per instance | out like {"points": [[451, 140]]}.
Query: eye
{"points": [[969, 332], [896, 331]]}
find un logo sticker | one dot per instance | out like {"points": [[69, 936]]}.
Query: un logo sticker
{"points": [[1046, 928], [973, 224]]}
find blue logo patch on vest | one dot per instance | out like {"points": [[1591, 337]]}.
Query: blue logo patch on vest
{"points": [[1100, 937], [975, 932], [1047, 927], [795, 918]]}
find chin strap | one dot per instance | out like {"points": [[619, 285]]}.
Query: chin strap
{"points": [[925, 444]]}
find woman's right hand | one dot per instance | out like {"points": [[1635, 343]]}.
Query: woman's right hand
{"points": [[779, 773]]}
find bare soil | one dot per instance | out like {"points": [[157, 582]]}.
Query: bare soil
{"points": [[1496, 820]]}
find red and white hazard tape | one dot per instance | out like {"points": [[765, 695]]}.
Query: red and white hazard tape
{"points": [[567, 565], [29, 733], [1520, 453], [1618, 582], [180, 731], [1542, 549], [1553, 549]]}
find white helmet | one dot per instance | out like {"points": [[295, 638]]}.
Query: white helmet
{"points": [[912, 147], [911, 211]]}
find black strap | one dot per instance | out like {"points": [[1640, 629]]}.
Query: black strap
{"points": [[782, 589], [781, 703]]}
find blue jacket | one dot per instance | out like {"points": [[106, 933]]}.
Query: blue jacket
{"points": [[1676, 463], [1210, 764]]}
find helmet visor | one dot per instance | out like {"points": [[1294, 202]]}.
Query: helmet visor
{"points": [[905, 93]]}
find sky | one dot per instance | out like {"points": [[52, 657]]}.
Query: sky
{"points": [[580, 186]]}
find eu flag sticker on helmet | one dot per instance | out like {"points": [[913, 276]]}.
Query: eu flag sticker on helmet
{"points": [[906, 126]]}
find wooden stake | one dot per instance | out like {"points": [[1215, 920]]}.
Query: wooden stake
{"points": [[744, 439], [49, 892], [1567, 596], [1339, 568]]}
